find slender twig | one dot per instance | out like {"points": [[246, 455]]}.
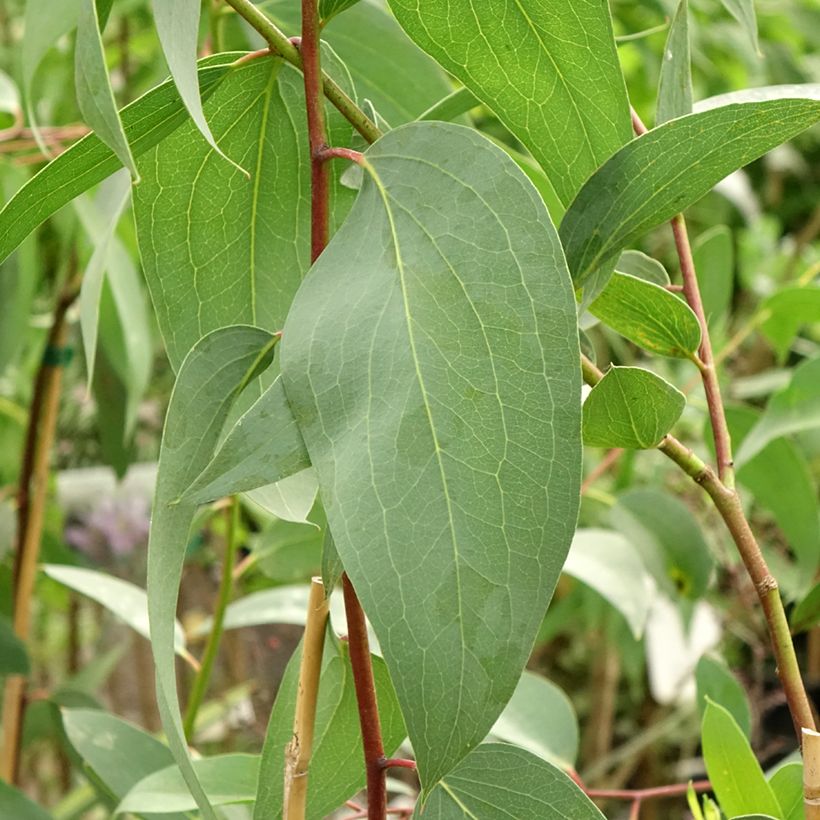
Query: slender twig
{"points": [[600, 469], [368, 706], [300, 748], [651, 793], [398, 763], [33, 495], [203, 675], [728, 504], [282, 45]]}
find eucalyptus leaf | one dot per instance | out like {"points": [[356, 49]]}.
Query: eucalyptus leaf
{"points": [[531, 62], [13, 803], [212, 375], [291, 498], [744, 12], [262, 447], [330, 8], [734, 773], [433, 341], [715, 682], [658, 175], [675, 86], [648, 315], [146, 122], [786, 91], [637, 263], [786, 312], [94, 94], [713, 254], [541, 719], [497, 780], [787, 785], [631, 407]]}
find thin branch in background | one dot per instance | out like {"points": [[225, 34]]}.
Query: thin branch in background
{"points": [[602, 468], [300, 748], [33, 496]]}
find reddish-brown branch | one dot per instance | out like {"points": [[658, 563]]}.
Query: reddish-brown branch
{"points": [[368, 707], [325, 154], [397, 763], [654, 792], [603, 466]]}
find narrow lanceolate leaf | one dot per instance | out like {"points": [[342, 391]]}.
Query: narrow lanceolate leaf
{"points": [[734, 773], [336, 771], [631, 407], [219, 248], [177, 25], [264, 446], [212, 375], [744, 12], [659, 174], [430, 359], [648, 315], [146, 121], [94, 94], [497, 780], [790, 410], [551, 75], [675, 86]]}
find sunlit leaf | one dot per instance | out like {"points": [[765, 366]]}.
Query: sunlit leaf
{"points": [[787, 785]]}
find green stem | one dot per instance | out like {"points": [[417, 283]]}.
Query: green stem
{"points": [[203, 675], [285, 48]]}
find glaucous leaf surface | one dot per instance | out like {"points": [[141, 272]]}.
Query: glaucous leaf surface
{"points": [[264, 446], [716, 682], [648, 315], [675, 85], [146, 121], [227, 779], [336, 770], [379, 56], [658, 175], [785, 91], [787, 785], [13, 803], [605, 561], [637, 263], [744, 12], [122, 598], [733, 770], [790, 410], [95, 96], [430, 359], [550, 74], [714, 256], [541, 719], [499, 781], [631, 407], [213, 374], [219, 248], [118, 753]]}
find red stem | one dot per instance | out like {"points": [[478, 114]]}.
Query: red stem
{"points": [[675, 790], [368, 709], [340, 153], [398, 763]]}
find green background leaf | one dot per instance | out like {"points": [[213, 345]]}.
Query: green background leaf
{"points": [[715, 682], [675, 85]]}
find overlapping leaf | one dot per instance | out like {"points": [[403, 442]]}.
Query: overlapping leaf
{"points": [[661, 173], [550, 73], [430, 359], [675, 85]]}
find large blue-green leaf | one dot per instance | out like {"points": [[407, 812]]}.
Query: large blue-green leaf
{"points": [[549, 72], [431, 361], [212, 375]]}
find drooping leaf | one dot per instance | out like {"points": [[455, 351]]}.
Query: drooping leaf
{"points": [[119, 753], [786, 312], [146, 121], [713, 254], [227, 779], [13, 803], [336, 770], [675, 86], [790, 410], [631, 407], [661, 173], [94, 94], [432, 343], [13, 654], [787, 785], [734, 773], [715, 682], [605, 561], [541, 719], [532, 63], [101, 223], [215, 371], [667, 535], [379, 74], [648, 315], [744, 12], [122, 598], [497, 780], [218, 248], [177, 25], [263, 446]]}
